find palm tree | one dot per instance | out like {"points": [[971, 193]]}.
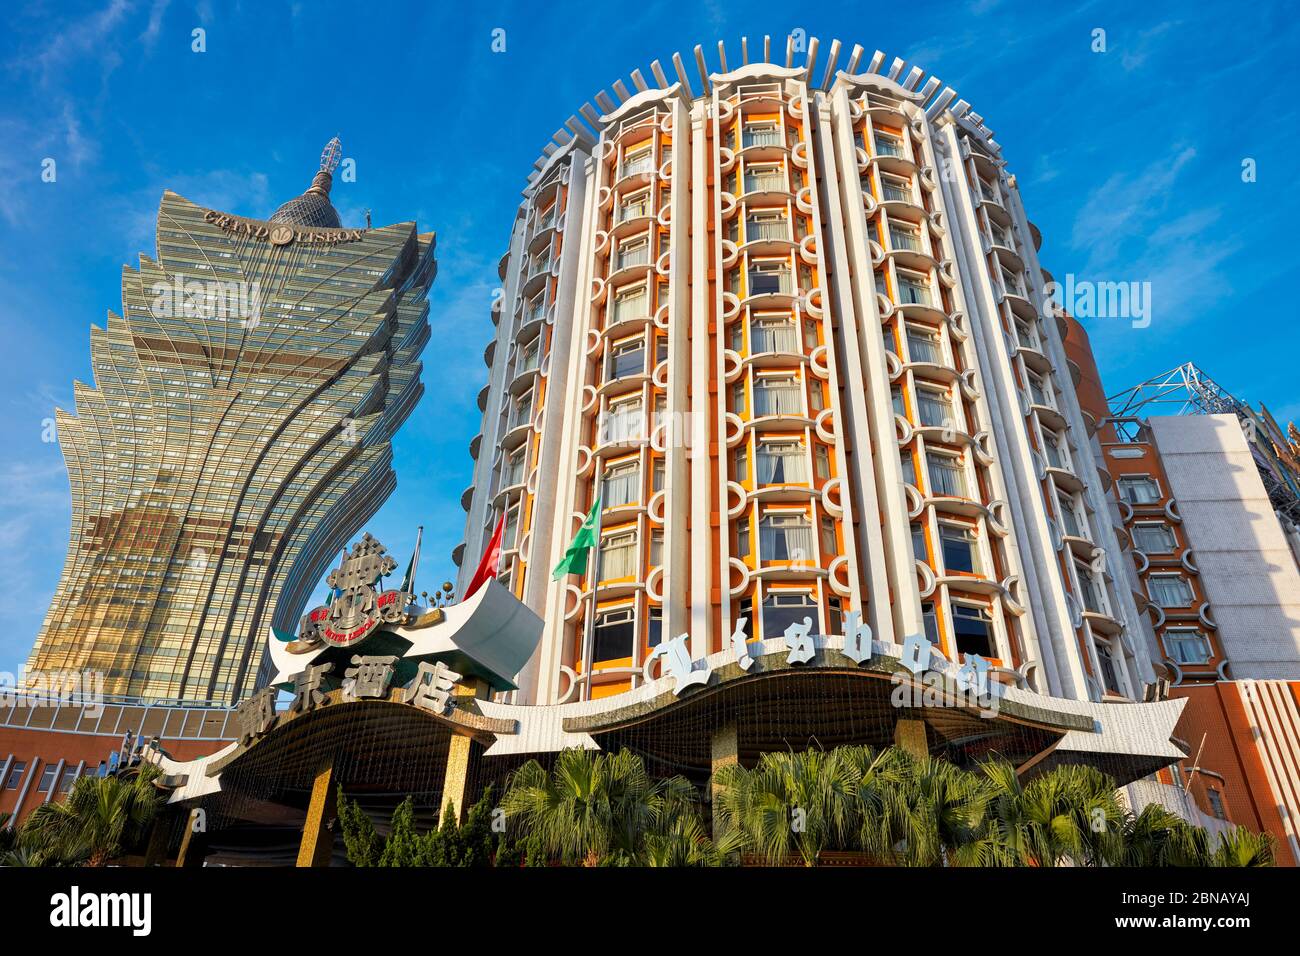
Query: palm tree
{"points": [[687, 843], [1069, 814], [101, 818], [878, 776], [937, 809], [1240, 847], [601, 808], [1157, 837], [791, 803]]}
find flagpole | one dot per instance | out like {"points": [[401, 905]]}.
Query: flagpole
{"points": [[588, 640]]}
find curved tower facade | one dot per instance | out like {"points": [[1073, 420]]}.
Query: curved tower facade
{"points": [[237, 435], [784, 318]]}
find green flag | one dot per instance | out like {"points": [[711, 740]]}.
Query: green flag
{"points": [[575, 558]]}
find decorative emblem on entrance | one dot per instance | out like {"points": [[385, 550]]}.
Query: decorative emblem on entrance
{"points": [[357, 608]]}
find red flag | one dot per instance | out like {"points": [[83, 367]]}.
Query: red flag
{"points": [[487, 568]]}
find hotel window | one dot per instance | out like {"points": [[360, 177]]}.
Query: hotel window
{"points": [[536, 308], [988, 190], [738, 397], [888, 144], [947, 477], [661, 349], [960, 552], [1106, 661], [900, 404], [785, 537], [634, 252], [882, 286], [637, 161], [546, 218], [781, 609], [655, 632], [777, 395], [634, 206], [15, 774], [1069, 518], [1012, 282], [1187, 645], [760, 134], [1025, 333], [902, 236], [626, 358], [810, 338], [769, 277], [909, 467], [919, 549], [1139, 490], [1216, 803], [822, 461], [742, 538], [816, 397], [973, 629], [913, 288], [657, 475], [1037, 391], [47, 778], [830, 544], [67, 780], [764, 179], [934, 407], [1169, 590], [930, 621], [781, 462], [1089, 590], [1154, 538], [887, 339], [514, 470], [766, 225], [623, 421], [745, 612], [522, 412], [618, 555], [530, 355], [835, 616], [630, 303], [740, 462], [656, 549], [1052, 448], [615, 635], [923, 345], [511, 529], [621, 485], [895, 188], [773, 335], [539, 262]]}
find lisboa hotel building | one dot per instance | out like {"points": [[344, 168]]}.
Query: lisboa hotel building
{"points": [[787, 324]]}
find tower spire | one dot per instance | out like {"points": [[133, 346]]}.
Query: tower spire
{"points": [[313, 207], [330, 158]]}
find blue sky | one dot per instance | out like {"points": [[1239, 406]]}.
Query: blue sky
{"points": [[1128, 160]]}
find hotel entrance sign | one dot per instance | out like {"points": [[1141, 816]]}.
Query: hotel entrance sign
{"points": [[357, 609]]}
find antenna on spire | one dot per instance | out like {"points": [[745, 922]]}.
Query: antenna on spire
{"points": [[331, 156]]}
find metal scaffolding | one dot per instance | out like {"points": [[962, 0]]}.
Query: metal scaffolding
{"points": [[1187, 390]]}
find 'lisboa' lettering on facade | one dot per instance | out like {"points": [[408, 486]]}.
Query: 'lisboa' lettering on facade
{"points": [[972, 678]]}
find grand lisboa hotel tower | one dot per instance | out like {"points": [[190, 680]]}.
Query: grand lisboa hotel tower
{"points": [[780, 311]]}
